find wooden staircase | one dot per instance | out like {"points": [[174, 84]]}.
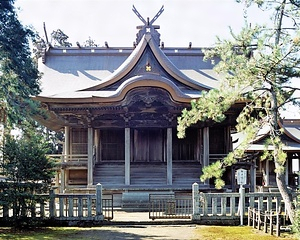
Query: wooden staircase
{"points": [[147, 175], [110, 175], [185, 174], [145, 179]]}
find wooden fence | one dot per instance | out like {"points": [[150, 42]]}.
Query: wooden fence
{"points": [[269, 220]]}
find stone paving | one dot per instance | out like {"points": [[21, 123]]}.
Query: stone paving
{"points": [[141, 217], [140, 232], [138, 226]]}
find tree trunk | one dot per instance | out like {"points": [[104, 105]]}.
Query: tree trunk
{"points": [[287, 198], [280, 175]]}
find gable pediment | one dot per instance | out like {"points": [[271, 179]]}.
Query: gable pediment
{"points": [[146, 62]]}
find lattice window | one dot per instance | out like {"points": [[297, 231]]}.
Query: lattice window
{"points": [[79, 141]]}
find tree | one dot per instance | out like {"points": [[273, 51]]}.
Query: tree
{"points": [[258, 65], [28, 173], [19, 76]]}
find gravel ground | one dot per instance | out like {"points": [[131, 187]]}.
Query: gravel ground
{"points": [[184, 232]]}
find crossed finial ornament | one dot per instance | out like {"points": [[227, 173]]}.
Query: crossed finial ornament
{"points": [[148, 23], [148, 27]]}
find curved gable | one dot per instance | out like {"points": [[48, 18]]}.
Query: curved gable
{"points": [[146, 60], [153, 81], [291, 129], [120, 93]]}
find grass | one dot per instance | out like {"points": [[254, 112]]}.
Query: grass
{"points": [[236, 233], [200, 232], [38, 234]]}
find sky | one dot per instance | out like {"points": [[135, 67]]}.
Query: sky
{"points": [[183, 21]]}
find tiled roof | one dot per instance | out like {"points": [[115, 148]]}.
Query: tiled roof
{"points": [[74, 72], [290, 137]]}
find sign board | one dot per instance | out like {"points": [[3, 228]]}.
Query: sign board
{"points": [[241, 176]]}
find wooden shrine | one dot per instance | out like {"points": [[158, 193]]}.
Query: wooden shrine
{"points": [[118, 108]]}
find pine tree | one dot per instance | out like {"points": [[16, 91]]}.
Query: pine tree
{"points": [[258, 65], [19, 76]]}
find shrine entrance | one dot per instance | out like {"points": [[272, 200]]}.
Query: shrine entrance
{"points": [[148, 145]]}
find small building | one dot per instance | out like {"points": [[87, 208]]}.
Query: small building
{"points": [[265, 174]]}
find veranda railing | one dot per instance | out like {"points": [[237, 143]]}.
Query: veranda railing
{"points": [[70, 159]]}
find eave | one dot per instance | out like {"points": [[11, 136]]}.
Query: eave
{"points": [[118, 95]]}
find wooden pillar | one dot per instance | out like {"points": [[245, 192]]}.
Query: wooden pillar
{"points": [[97, 143], [252, 178], [67, 140], [267, 172], [254, 183], [287, 171], [199, 146], [90, 157], [68, 153], [233, 185], [206, 148], [57, 178], [64, 173], [169, 157], [62, 181], [228, 140], [127, 156]]}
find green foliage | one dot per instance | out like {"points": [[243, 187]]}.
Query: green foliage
{"points": [[25, 159], [215, 170], [29, 172], [256, 69], [22, 199], [19, 77], [256, 66], [205, 109], [54, 140]]}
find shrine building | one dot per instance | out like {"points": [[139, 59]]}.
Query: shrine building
{"points": [[118, 109]]}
